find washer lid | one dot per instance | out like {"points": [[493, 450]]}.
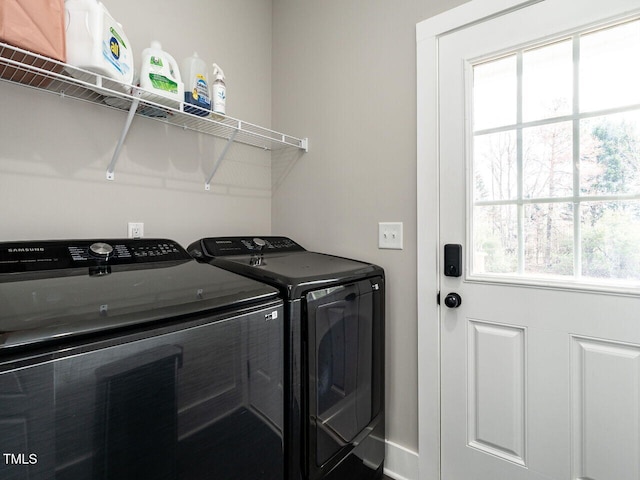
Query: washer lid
{"points": [[298, 272], [281, 262], [90, 295], [299, 266]]}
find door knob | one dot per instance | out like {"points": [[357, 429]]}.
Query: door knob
{"points": [[453, 300]]}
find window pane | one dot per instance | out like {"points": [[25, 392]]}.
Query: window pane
{"points": [[495, 169], [611, 240], [547, 81], [494, 93], [610, 67], [495, 242], [534, 177], [548, 160], [548, 238], [610, 154]]}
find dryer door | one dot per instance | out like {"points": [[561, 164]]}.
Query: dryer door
{"points": [[343, 381]]}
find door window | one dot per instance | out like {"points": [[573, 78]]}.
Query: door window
{"points": [[556, 160]]}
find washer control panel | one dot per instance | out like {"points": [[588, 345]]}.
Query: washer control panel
{"points": [[227, 246], [131, 251], [57, 254]]}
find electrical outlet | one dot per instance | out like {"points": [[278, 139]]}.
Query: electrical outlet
{"points": [[390, 235], [136, 229]]}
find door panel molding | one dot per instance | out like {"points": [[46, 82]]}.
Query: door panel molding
{"points": [[605, 394], [497, 379]]}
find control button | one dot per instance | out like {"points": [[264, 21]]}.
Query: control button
{"points": [[101, 250]]}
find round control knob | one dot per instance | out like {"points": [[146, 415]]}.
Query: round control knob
{"points": [[101, 250], [260, 243], [453, 300]]}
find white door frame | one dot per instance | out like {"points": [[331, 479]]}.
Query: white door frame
{"points": [[428, 33]]}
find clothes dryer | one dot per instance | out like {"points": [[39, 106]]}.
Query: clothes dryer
{"points": [[334, 357]]}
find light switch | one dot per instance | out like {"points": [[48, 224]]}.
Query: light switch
{"points": [[390, 235]]}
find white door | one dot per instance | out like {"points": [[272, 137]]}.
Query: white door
{"points": [[539, 150]]}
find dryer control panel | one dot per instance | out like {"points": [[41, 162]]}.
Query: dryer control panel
{"points": [[227, 246]]}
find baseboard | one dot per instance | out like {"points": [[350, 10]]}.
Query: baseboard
{"points": [[400, 463]]}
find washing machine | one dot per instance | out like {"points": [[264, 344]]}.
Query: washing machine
{"points": [[334, 356], [127, 359]]}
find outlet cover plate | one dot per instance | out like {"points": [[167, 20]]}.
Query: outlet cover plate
{"points": [[135, 229]]}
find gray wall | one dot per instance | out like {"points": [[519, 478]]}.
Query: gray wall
{"points": [[55, 151], [344, 74]]}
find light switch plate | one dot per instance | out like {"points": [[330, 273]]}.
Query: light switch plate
{"points": [[390, 235]]}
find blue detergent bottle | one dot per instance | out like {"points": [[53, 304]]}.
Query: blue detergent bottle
{"points": [[197, 97]]}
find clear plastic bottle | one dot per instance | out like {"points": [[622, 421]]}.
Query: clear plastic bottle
{"points": [[196, 80], [219, 91]]}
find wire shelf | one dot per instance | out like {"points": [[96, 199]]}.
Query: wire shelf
{"points": [[35, 71]]}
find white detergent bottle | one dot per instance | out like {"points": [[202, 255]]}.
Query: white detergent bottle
{"points": [[160, 77], [96, 42], [219, 91], [196, 91]]}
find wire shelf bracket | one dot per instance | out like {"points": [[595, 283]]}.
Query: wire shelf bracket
{"points": [[127, 125], [207, 185]]}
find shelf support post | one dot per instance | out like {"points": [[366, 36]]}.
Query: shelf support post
{"points": [[207, 185], [132, 111]]}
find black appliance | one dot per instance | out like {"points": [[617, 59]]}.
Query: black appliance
{"points": [[129, 360], [334, 361]]}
